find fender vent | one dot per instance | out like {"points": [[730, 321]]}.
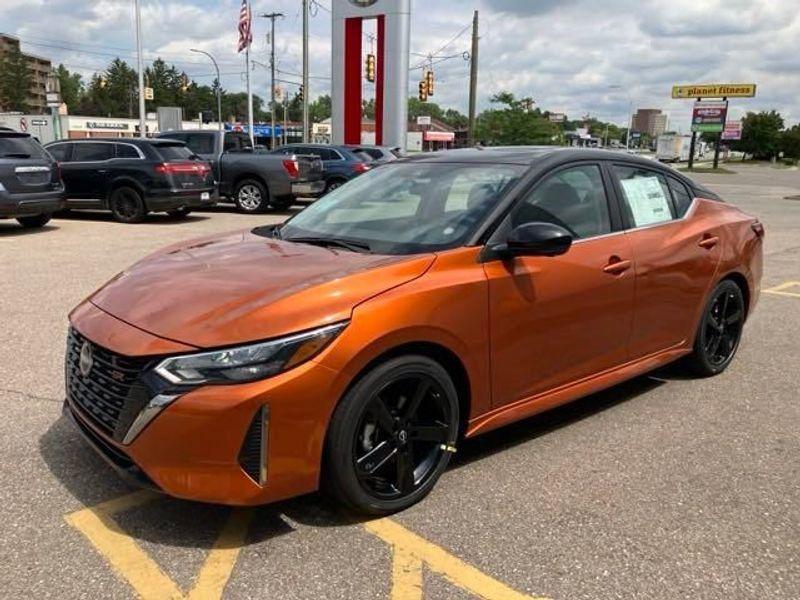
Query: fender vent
{"points": [[253, 454]]}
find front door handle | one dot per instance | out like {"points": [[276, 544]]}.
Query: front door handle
{"points": [[708, 241], [617, 266]]}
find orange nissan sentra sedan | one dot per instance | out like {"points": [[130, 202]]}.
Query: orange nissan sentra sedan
{"points": [[429, 300]]}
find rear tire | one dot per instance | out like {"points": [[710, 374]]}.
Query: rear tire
{"points": [[35, 221], [720, 331], [179, 213], [334, 184], [251, 196], [390, 437], [127, 205]]}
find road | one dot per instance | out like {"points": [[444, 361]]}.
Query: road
{"points": [[663, 487]]}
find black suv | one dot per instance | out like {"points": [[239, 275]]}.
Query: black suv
{"points": [[131, 176], [30, 184]]}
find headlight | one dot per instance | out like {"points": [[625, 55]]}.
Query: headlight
{"points": [[247, 363]]}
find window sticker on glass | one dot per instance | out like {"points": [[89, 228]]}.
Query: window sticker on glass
{"points": [[647, 200]]}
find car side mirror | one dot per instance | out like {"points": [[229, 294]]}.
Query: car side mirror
{"points": [[535, 239]]}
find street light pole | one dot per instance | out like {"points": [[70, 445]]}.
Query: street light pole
{"points": [[630, 113], [306, 91], [140, 67], [219, 86]]}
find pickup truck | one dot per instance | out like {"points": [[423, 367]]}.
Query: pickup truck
{"points": [[253, 180]]}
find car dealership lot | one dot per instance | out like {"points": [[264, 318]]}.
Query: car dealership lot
{"points": [[662, 487]]}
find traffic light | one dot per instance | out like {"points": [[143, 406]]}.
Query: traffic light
{"points": [[300, 92], [370, 67], [429, 82], [423, 91]]}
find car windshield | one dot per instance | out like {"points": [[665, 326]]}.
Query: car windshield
{"points": [[406, 208]]}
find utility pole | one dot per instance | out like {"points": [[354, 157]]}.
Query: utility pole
{"points": [[219, 86], [473, 79], [140, 67], [306, 91], [272, 16]]}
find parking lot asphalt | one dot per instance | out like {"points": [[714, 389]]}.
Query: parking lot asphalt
{"points": [[663, 487]]}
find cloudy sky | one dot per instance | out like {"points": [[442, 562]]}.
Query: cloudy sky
{"points": [[576, 56]]}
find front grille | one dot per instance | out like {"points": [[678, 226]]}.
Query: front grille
{"points": [[110, 395]]}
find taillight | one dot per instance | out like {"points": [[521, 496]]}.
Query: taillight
{"points": [[191, 168], [361, 167], [758, 228], [292, 167]]}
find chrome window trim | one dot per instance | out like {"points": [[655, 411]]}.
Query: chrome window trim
{"points": [[36, 169], [105, 160]]}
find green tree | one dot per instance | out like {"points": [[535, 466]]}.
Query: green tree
{"points": [[71, 86], [790, 143], [320, 109], [761, 135], [514, 123], [15, 81], [121, 89]]}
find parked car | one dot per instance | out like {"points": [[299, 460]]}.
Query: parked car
{"points": [[432, 299], [253, 180], [340, 163], [30, 183], [132, 177], [378, 154]]}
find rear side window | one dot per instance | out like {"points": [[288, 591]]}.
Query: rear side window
{"points": [[681, 195], [92, 152], [126, 151], [13, 146], [59, 151], [174, 152], [646, 196]]}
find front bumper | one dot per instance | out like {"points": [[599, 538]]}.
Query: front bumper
{"points": [[308, 189], [21, 205], [193, 448]]}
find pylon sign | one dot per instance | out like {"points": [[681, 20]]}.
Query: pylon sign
{"points": [[393, 19]]}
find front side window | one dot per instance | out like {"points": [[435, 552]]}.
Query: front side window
{"points": [[407, 208], [645, 196], [573, 198], [232, 143], [90, 152]]}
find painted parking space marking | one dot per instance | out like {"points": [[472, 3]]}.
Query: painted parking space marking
{"points": [[787, 288], [139, 570], [410, 554]]}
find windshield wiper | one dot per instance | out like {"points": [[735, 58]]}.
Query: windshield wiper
{"points": [[352, 245]]}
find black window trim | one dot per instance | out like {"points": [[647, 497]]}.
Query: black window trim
{"points": [[74, 143]]}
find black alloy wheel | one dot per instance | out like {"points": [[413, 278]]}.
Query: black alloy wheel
{"points": [[127, 205], [35, 221], [720, 330], [392, 435]]}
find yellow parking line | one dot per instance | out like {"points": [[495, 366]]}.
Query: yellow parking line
{"points": [[406, 575], [438, 560], [780, 290], [139, 570], [218, 566], [124, 555]]}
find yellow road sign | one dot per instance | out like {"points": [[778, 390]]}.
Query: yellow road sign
{"points": [[715, 90]]}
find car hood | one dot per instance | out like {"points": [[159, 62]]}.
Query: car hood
{"points": [[242, 287]]}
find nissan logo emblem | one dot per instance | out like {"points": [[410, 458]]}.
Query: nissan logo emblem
{"points": [[86, 360]]}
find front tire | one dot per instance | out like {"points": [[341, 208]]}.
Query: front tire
{"points": [[251, 196], [719, 332], [34, 222], [392, 435], [127, 205]]}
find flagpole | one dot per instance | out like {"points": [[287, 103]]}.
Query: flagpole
{"points": [[249, 90]]}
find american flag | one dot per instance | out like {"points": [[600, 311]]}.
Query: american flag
{"points": [[245, 33]]}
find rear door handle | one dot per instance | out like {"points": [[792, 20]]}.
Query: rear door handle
{"points": [[708, 241], [617, 266]]}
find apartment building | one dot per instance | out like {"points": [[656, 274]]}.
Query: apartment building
{"points": [[40, 69]]}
